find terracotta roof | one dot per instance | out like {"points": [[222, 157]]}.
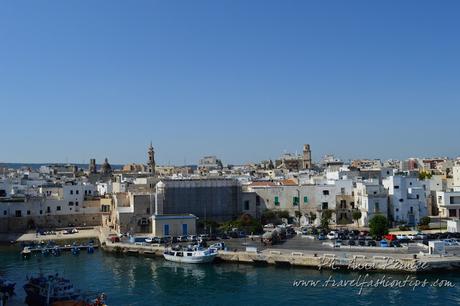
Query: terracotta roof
{"points": [[288, 182], [255, 184]]}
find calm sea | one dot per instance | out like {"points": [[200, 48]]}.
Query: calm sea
{"points": [[152, 281]]}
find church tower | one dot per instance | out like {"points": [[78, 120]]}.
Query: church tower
{"points": [[306, 163], [151, 160]]}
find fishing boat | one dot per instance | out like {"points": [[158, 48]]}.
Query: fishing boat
{"points": [[190, 255], [75, 249], [54, 290]]}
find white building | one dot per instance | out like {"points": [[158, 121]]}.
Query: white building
{"points": [[371, 199], [407, 199], [448, 203], [456, 178]]}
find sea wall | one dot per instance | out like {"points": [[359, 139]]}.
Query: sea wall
{"points": [[22, 224]]}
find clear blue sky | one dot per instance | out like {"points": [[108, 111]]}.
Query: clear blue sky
{"points": [[244, 80]]}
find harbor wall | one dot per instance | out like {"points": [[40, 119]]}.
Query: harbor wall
{"points": [[22, 224], [328, 261]]}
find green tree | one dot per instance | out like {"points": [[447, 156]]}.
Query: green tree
{"points": [[325, 218], [356, 215], [423, 175], [378, 226]]}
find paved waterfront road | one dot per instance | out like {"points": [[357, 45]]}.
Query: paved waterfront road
{"points": [[304, 244]]}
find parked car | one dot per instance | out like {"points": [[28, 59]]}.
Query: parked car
{"points": [[321, 237], [390, 237], [182, 238], [352, 242], [332, 235], [203, 237], [383, 244], [421, 236], [411, 237], [451, 242], [372, 243], [192, 238], [361, 242], [113, 239], [218, 246], [401, 237], [338, 243]]}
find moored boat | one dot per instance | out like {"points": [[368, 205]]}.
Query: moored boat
{"points": [[190, 255], [26, 252], [54, 290]]}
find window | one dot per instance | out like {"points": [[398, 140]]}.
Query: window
{"points": [[257, 200], [452, 213], [70, 203], [58, 208], [377, 207], [295, 201], [28, 212], [77, 192], [71, 191], [305, 199], [76, 203], [411, 210], [48, 209], [342, 190], [41, 212], [396, 187], [246, 205], [5, 212], [18, 213], [325, 192], [148, 210], [324, 205], [343, 204], [277, 201], [89, 191]]}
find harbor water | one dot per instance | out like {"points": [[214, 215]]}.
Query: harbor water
{"points": [[132, 280]]}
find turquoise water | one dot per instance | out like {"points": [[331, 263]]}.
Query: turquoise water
{"points": [[152, 281]]}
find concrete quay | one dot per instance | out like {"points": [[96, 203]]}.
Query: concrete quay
{"points": [[317, 256], [333, 259]]}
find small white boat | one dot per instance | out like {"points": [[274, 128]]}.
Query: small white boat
{"points": [[190, 256], [26, 252]]}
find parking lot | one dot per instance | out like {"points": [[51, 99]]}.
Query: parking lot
{"points": [[305, 244]]}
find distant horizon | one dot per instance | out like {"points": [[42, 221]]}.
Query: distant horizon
{"points": [[121, 164]]}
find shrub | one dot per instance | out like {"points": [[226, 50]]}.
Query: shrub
{"points": [[423, 227], [425, 221], [404, 228]]}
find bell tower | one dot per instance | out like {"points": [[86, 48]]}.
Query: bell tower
{"points": [[306, 157], [151, 160]]}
